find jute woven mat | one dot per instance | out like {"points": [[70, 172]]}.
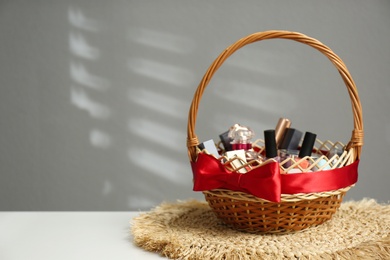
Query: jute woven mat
{"points": [[190, 230]]}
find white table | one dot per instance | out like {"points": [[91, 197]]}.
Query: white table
{"points": [[69, 235]]}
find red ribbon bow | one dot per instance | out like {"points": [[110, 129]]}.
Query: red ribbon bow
{"points": [[266, 181], [263, 182]]}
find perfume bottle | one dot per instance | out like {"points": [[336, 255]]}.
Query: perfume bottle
{"points": [[241, 136]]}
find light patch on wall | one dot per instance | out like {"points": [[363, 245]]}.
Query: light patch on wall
{"points": [[79, 46], [80, 75], [100, 139], [164, 72], [80, 99], [162, 134], [160, 165], [77, 18], [161, 103], [107, 187], [161, 40]]}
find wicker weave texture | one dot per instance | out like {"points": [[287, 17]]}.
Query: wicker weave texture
{"points": [[263, 216]]}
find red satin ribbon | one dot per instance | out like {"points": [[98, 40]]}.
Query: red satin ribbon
{"points": [[320, 181], [266, 181]]}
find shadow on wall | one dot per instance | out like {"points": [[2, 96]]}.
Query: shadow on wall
{"points": [[154, 115], [157, 130], [144, 144]]}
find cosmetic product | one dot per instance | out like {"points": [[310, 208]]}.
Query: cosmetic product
{"points": [[288, 154], [295, 156], [306, 148], [210, 147], [336, 159], [241, 136], [251, 155], [226, 140], [321, 164], [280, 130], [307, 144], [238, 159], [291, 139], [333, 151], [271, 150]]}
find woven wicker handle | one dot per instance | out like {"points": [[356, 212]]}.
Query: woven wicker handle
{"points": [[356, 141]]}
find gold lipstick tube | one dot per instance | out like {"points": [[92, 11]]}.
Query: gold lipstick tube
{"points": [[280, 128]]}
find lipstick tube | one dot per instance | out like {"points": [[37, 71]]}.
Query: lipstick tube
{"points": [[280, 130]]}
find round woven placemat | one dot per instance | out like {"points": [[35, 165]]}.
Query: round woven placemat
{"points": [[190, 230]]}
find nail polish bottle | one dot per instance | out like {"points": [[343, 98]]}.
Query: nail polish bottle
{"points": [[335, 151], [307, 144], [271, 151], [287, 157], [321, 164], [306, 150], [288, 148]]}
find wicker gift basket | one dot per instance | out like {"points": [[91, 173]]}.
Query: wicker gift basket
{"points": [[290, 208]]}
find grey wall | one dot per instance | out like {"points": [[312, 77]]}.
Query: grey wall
{"points": [[95, 94]]}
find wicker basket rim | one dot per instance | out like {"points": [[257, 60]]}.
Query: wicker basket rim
{"points": [[242, 196]]}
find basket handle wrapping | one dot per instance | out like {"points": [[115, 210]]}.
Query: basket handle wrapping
{"points": [[356, 142]]}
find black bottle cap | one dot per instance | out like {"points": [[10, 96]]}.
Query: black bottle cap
{"points": [[307, 144], [270, 144]]}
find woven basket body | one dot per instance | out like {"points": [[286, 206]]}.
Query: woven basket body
{"points": [[295, 212], [248, 213]]}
